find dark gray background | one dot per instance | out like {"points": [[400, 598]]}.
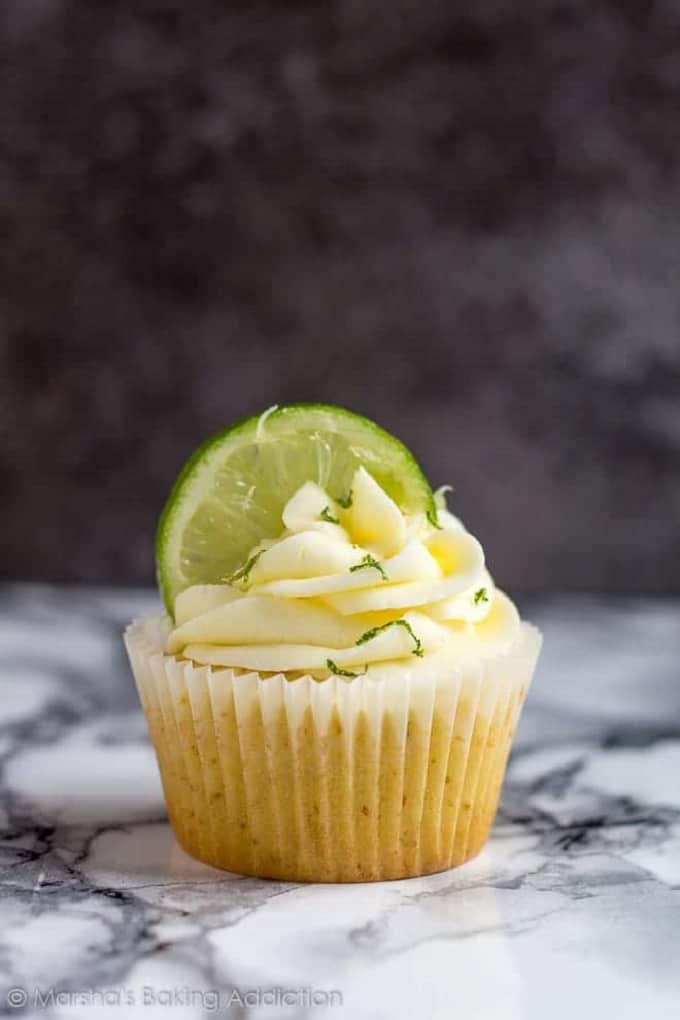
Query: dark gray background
{"points": [[462, 220]]}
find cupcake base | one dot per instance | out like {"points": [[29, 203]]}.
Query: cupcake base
{"points": [[331, 781]]}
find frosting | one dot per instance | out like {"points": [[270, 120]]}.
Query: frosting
{"points": [[351, 584]]}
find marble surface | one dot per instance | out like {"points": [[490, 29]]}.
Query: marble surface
{"points": [[572, 909]]}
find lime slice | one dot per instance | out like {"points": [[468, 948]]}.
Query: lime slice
{"points": [[230, 494]]}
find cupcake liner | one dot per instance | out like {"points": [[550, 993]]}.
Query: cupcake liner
{"points": [[331, 780]]}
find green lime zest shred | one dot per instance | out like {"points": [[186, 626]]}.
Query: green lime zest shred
{"points": [[370, 634], [481, 595], [243, 573], [335, 669], [433, 519], [369, 561], [347, 501], [326, 515]]}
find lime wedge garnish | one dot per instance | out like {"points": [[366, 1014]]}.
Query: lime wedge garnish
{"points": [[230, 494]]}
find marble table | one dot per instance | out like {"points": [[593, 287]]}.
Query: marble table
{"points": [[573, 909]]}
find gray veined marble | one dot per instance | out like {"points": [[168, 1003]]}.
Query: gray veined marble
{"points": [[573, 909]]}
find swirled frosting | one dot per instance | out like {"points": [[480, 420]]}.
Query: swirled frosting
{"points": [[350, 585]]}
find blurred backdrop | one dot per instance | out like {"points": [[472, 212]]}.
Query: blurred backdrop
{"points": [[461, 220]]}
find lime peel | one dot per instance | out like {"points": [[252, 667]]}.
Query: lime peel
{"points": [[230, 494]]}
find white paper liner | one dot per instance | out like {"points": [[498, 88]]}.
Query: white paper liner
{"points": [[331, 780]]}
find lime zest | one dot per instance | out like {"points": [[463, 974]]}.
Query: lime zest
{"points": [[370, 561], [337, 671], [346, 501], [432, 518], [326, 515], [370, 634], [481, 595], [243, 573], [259, 431], [440, 496], [438, 503]]}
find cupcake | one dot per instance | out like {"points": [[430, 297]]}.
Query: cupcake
{"points": [[334, 685]]}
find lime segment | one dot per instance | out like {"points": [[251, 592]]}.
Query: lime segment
{"points": [[231, 493]]}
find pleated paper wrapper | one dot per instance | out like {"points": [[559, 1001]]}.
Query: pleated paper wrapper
{"points": [[331, 780]]}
